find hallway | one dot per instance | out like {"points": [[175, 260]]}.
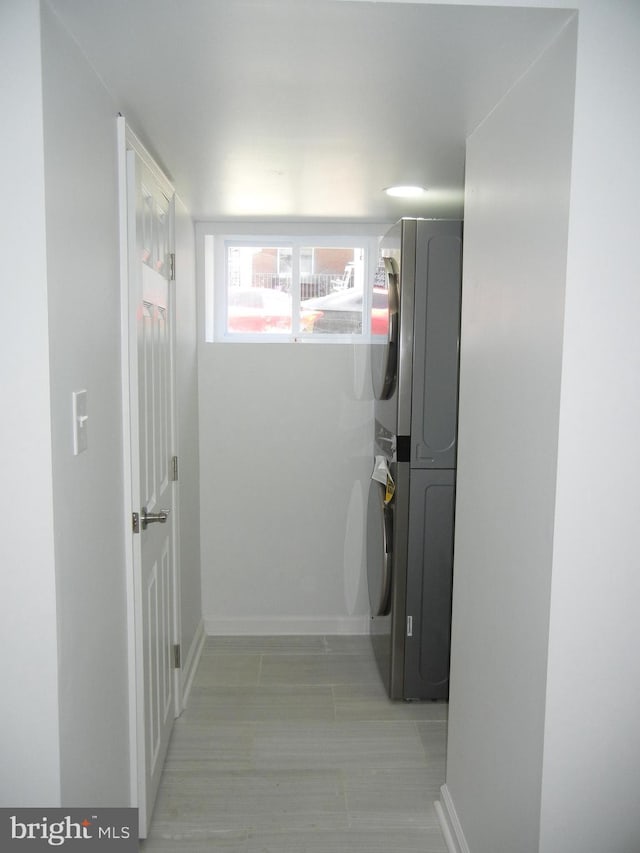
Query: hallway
{"points": [[291, 744]]}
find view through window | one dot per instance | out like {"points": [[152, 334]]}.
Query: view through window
{"points": [[293, 289]]}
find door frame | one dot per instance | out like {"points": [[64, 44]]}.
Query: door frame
{"points": [[128, 141]]}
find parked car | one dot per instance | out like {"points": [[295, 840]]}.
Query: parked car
{"points": [[341, 312], [258, 309]]}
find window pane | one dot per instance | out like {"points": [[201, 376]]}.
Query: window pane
{"points": [[331, 295], [258, 289]]}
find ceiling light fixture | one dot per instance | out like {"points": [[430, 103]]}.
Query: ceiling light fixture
{"points": [[405, 191]]}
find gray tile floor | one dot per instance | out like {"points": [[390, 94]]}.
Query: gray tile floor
{"points": [[290, 745]]}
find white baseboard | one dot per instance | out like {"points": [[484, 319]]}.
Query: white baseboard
{"points": [[278, 626], [450, 823], [191, 663]]}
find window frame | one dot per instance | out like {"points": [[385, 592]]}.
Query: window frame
{"points": [[214, 240]]}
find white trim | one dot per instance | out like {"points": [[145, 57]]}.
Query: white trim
{"points": [[133, 497], [129, 144], [191, 663], [127, 455], [178, 703], [271, 228], [135, 145], [450, 823], [276, 626], [296, 235]]}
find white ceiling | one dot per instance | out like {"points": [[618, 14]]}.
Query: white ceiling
{"points": [[307, 109]]}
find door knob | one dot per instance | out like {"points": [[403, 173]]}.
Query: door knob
{"points": [[153, 517]]}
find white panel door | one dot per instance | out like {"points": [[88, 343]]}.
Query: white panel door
{"points": [[152, 439]]}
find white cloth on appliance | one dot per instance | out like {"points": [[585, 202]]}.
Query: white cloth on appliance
{"points": [[382, 474]]}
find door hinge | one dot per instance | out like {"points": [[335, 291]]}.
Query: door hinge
{"points": [[176, 656], [174, 469], [135, 522], [409, 626], [172, 266]]}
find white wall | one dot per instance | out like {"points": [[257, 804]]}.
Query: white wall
{"points": [[516, 219], [84, 320], [591, 774], [590, 746], [29, 748], [64, 730], [81, 182], [286, 443]]}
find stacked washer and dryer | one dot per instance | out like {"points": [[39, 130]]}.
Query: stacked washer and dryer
{"points": [[412, 498]]}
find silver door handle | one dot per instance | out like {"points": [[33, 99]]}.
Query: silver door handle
{"points": [[153, 517]]}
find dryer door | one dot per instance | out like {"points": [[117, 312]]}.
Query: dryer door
{"points": [[384, 355], [379, 550]]}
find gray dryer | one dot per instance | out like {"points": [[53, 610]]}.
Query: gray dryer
{"points": [[410, 535]]}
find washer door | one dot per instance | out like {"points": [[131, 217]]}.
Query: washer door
{"points": [[384, 356], [379, 550]]}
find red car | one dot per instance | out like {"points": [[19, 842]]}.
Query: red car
{"points": [[258, 310]]}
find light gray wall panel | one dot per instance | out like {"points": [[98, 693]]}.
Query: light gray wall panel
{"points": [[516, 215], [29, 745]]}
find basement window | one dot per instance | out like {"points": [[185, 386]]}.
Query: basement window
{"points": [[268, 288]]}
